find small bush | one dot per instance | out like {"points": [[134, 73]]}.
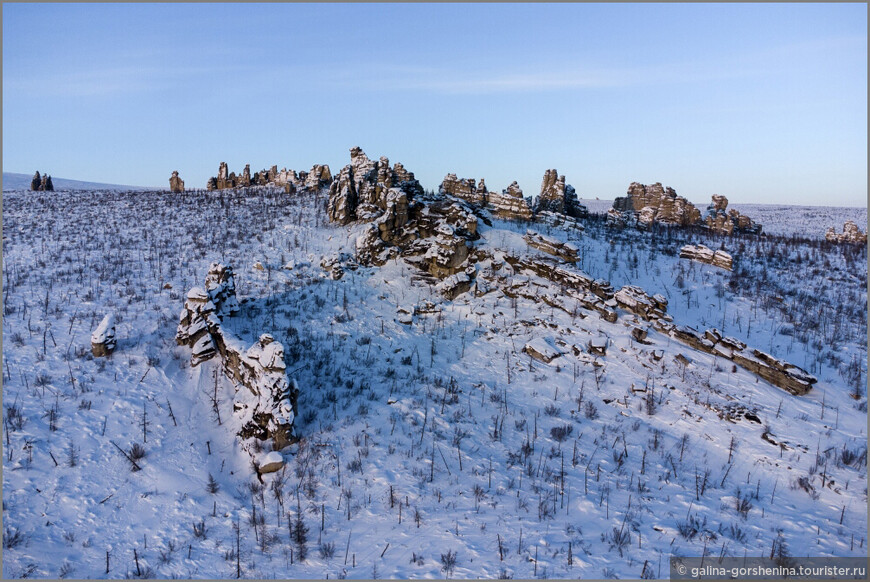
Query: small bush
{"points": [[448, 562], [137, 452], [560, 433]]}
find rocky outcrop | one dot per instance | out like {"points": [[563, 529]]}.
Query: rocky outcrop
{"points": [[317, 179], [850, 234], [634, 299], [431, 233], [510, 204], [103, 338], [557, 220], [365, 189], [41, 183], [542, 350], [564, 250], [703, 254], [176, 184], [779, 373], [656, 204], [466, 189], [573, 288], [558, 197], [265, 399], [720, 219]]}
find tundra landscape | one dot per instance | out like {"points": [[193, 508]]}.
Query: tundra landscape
{"points": [[352, 376]]}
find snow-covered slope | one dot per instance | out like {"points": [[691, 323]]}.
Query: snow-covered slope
{"points": [[432, 444], [14, 181]]}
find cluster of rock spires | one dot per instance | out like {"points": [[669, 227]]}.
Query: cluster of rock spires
{"points": [[850, 234], [41, 183], [555, 197], [719, 219], [319, 177], [265, 400], [645, 205], [176, 184], [703, 254]]}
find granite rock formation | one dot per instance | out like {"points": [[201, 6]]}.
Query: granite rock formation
{"points": [[656, 204], [850, 234], [176, 184], [509, 204], [719, 219], [703, 254], [317, 179], [563, 250], [265, 399], [466, 189], [429, 232], [558, 197]]}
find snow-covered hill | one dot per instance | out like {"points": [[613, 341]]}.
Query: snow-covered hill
{"points": [[431, 444], [15, 181]]}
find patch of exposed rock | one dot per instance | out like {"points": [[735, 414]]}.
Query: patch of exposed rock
{"points": [[850, 234], [703, 254], [656, 204], [558, 197], [720, 219], [265, 399]]}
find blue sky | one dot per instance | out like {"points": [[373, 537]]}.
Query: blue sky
{"points": [[758, 102]]}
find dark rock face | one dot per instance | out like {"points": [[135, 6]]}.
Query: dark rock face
{"points": [[266, 405], [176, 184], [720, 219], [558, 197], [656, 203], [851, 234], [41, 183]]}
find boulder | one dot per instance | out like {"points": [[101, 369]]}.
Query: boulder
{"points": [[103, 338], [270, 462], [541, 350]]}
